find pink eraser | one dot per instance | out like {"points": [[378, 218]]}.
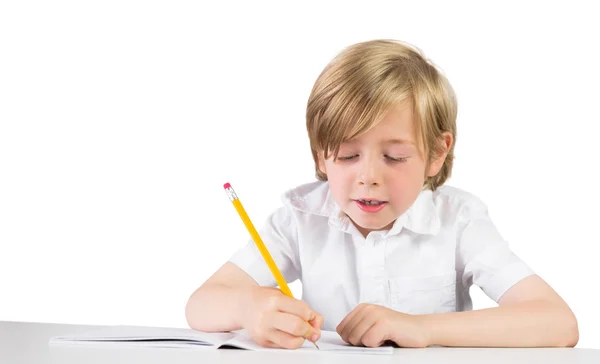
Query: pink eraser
{"points": [[226, 185]]}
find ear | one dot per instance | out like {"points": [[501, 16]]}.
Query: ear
{"points": [[445, 143]]}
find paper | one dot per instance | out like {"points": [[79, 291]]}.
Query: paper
{"points": [[330, 341]]}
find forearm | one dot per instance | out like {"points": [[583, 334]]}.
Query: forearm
{"points": [[526, 324], [215, 308]]}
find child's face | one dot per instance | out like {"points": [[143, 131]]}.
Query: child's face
{"points": [[383, 166]]}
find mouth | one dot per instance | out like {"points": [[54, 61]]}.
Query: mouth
{"points": [[370, 202], [370, 205]]}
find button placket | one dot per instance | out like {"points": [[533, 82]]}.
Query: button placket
{"points": [[372, 273]]}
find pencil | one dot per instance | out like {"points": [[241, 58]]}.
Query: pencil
{"points": [[259, 243]]}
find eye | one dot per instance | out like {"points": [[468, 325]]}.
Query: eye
{"points": [[347, 157], [396, 159]]}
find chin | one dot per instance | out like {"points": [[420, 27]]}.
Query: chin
{"points": [[372, 222], [370, 225]]}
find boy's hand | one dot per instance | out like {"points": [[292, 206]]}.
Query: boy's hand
{"points": [[371, 325], [275, 320]]}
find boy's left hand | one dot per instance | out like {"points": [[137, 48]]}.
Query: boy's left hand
{"points": [[371, 325]]}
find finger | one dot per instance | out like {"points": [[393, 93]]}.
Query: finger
{"points": [[363, 319], [342, 328], [292, 324], [317, 325], [374, 336], [363, 325], [295, 307], [281, 339], [317, 322]]}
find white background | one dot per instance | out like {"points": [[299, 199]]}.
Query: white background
{"points": [[120, 121]]}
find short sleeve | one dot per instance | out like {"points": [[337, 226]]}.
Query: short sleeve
{"points": [[484, 256], [279, 235]]}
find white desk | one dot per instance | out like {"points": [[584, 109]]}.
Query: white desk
{"points": [[22, 342]]}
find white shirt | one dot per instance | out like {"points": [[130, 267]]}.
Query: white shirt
{"points": [[425, 263]]}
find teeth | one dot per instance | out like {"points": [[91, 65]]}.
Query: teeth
{"points": [[372, 203]]}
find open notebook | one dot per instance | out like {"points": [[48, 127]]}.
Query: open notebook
{"points": [[330, 341]]}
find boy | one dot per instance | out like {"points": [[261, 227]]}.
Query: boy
{"points": [[384, 250]]}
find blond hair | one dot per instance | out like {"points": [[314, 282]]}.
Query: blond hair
{"points": [[355, 90]]}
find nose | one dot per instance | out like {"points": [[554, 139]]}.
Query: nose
{"points": [[368, 173]]}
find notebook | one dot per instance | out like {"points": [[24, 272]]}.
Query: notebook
{"points": [[330, 341]]}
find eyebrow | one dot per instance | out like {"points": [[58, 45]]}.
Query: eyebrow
{"points": [[385, 142], [398, 141]]}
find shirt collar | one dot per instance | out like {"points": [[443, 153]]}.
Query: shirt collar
{"points": [[316, 198], [421, 217]]}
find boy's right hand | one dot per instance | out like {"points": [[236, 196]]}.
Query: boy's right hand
{"points": [[275, 320]]}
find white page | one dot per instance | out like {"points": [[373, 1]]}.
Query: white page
{"points": [[179, 337], [329, 341], [147, 335]]}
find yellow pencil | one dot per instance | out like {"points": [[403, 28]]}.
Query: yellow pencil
{"points": [[259, 243]]}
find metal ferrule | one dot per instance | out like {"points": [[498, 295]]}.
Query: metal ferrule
{"points": [[231, 194]]}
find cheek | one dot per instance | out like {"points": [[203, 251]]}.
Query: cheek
{"points": [[338, 173], [415, 172], [404, 193], [406, 183], [340, 181]]}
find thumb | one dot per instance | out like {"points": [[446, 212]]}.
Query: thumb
{"points": [[316, 321]]}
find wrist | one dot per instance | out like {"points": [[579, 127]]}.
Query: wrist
{"points": [[243, 298], [427, 327]]}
